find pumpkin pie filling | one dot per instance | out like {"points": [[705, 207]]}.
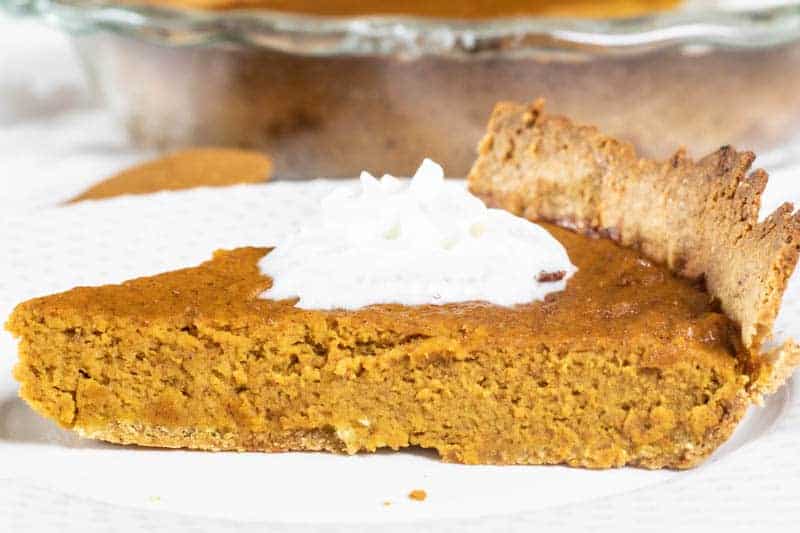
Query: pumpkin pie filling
{"points": [[629, 365], [644, 359]]}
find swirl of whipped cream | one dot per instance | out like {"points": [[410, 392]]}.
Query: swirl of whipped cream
{"points": [[423, 241]]}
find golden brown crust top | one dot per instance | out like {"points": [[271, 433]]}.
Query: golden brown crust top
{"points": [[616, 294], [185, 169], [700, 218]]}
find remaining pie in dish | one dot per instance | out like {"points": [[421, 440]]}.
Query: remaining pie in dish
{"points": [[476, 9], [633, 363], [184, 169]]}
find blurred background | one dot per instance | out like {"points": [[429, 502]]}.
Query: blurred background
{"points": [[91, 86], [55, 138]]}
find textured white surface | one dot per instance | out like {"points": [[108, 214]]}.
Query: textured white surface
{"points": [[51, 146]]}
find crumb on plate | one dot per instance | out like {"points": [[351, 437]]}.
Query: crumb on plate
{"points": [[418, 495]]}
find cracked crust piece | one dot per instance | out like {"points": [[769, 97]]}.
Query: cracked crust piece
{"points": [[700, 218], [185, 169]]}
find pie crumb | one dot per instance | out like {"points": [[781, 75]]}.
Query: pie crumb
{"points": [[418, 495]]}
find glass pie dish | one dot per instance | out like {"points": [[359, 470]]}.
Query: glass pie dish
{"points": [[330, 96]]}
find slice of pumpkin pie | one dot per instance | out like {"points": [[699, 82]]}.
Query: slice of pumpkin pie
{"points": [[646, 350]]}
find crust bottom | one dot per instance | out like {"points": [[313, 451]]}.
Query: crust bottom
{"points": [[209, 439], [327, 440]]}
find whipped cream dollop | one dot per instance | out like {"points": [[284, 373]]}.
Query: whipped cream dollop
{"points": [[423, 241]]}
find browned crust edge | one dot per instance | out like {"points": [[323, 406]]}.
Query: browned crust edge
{"points": [[700, 217], [131, 433]]}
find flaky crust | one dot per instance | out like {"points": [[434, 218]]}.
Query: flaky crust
{"points": [[698, 217], [127, 433]]}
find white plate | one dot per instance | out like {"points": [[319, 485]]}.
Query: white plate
{"points": [[102, 242]]}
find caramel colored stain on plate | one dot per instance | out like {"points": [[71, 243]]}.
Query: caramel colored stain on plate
{"points": [[195, 167]]}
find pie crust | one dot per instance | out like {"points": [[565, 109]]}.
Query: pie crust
{"points": [[700, 218]]}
